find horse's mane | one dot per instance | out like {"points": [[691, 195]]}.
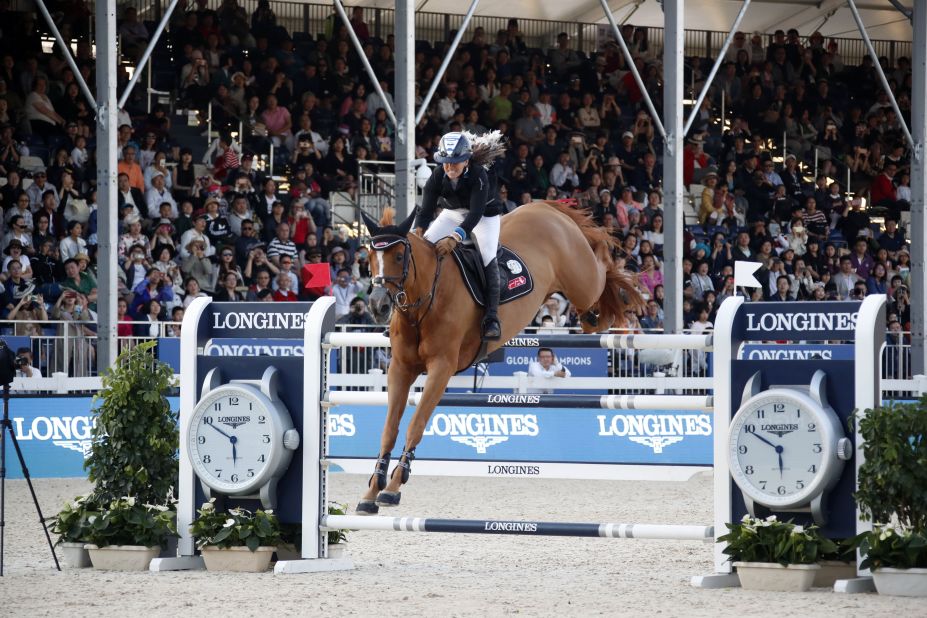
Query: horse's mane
{"points": [[620, 291], [486, 147], [388, 217]]}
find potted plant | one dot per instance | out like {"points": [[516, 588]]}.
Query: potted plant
{"points": [[135, 434], [236, 540], [72, 525], [291, 547], [891, 493], [774, 555], [838, 564], [127, 534]]}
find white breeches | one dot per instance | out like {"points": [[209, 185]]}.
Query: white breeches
{"points": [[485, 233]]}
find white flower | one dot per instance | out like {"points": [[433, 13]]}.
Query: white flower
{"points": [[156, 507], [771, 518], [208, 507], [886, 532], [798, 529], [746, 518], [228, 523], [269, 512], [130, 500]]}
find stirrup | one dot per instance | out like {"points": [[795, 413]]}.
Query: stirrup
{"points": [[491, 329]]}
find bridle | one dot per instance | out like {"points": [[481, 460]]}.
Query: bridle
{"points": [[400, 299]]}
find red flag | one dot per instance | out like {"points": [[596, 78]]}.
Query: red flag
{"points": [[317, 278]]}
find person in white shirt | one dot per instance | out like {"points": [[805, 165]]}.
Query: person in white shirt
{"points": [[157, 195], [546, 366]]}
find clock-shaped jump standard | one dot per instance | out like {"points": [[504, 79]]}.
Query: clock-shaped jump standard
{"points": [[786, 447], [241, 437]]}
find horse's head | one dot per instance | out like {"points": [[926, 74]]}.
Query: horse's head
{"points": [[389, 263]]}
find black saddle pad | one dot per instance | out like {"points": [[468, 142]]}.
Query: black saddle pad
{"points": [[514, 279]]}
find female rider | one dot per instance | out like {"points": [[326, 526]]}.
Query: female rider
{"points": [[468, 193]]}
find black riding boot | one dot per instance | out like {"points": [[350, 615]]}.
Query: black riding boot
{"points": [[492, 330]]}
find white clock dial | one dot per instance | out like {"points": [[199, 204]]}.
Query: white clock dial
{"points": [[779, 448], [232, 438]]}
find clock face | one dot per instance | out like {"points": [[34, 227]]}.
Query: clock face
{"points": [[232, 438], [779, 446]]}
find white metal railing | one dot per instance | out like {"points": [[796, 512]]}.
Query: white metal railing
{"points": [[68, 364]]}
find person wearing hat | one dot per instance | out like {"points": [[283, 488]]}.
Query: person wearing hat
{"points": [[158, 194], [197, 232], [38, 188], [468, 188], [132, 237], [15, 251]]}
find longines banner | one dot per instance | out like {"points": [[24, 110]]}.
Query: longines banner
{"points": [[805, 321], [54, 434], [667, 437]]}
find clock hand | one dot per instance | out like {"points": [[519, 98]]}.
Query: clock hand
{"points": [[779, 450], [219, 430], [759, 437], [233, 440]]}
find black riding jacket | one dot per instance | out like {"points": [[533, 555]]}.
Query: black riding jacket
{"points": [[476, 192]]}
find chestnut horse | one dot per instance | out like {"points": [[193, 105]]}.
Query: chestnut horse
{"points": [[435, 327]]}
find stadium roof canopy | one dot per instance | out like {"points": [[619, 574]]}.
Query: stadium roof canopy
{"points": [[831, 17]]}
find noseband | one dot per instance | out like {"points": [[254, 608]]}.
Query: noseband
{"points": [[401, 299]]}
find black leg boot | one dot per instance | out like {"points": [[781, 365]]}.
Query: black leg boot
{"points": [[492, 330]]}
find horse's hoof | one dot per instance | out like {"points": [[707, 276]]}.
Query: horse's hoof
{"points": [[388, 498], [367, 507]]}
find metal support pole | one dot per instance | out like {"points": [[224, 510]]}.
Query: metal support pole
{"points": [[405, 109], [448, 56], [107, 196], [359, 48], [68, 56], [878, 67], [673, 189], [716, 66], [152, 43], [918, 231], [637, 76]]}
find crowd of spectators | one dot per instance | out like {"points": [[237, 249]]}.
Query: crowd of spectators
{"points": [[577, 127]]}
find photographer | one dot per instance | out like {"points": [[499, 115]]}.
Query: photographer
{"points": [[28, 312], [357, 360], [24, 368]]}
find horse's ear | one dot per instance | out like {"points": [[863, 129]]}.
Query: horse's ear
{"points": [[372, 226], [406, 225]]}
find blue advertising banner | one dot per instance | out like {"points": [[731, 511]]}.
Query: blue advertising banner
{"points": [[169, 352], [789, 351], [805, 321], [582, 363], [540, 435], [54, 434]]}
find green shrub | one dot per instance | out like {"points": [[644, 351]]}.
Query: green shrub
{"points": [[893, 477], [127, 521], [135, 437]]}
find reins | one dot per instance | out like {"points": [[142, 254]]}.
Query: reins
{"points": [[400, 299]]}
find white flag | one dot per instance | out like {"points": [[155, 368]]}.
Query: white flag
{"points": [[743, 274]]}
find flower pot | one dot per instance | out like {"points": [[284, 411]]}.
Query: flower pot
{"points": [[773, 576], [831, 571], [75, 555], [900, 582], [288, 552], [336, 550], [122, 557], [239, 559]]}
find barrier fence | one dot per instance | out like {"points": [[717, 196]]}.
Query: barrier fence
{"points": [[362, 363]]}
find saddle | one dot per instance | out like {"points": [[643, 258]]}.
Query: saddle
{"points": [[514, 279]]}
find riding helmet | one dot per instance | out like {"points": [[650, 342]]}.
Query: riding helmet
{"points": [[454, 147]]}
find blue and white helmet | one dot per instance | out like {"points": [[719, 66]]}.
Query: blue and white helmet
{"points": [[454, 147]]}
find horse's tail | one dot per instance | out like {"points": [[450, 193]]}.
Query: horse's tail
{"points": [[620, 292]]}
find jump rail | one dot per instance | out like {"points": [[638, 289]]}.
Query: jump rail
{"points": [[602, 402], [622, 342], [524, 528]]}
